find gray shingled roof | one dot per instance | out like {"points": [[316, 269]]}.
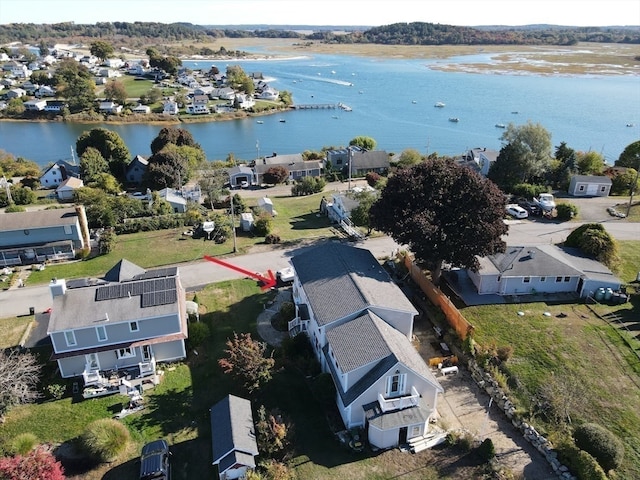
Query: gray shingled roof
{"points": [[40, 219], [352, 281], [543, 261], [85, 299], [357, 343], [602, 179], [232, 429], [122, 271]]}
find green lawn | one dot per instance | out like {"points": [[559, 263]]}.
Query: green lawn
{"points": [[587, 353], [297, 219], [12, 330]]}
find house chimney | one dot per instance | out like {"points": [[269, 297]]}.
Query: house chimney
{"points": [[57, 287]]}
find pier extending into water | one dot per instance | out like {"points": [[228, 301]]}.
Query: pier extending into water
{"points": [[314, 106]]}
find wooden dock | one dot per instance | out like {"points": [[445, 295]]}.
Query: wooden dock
{"points": [[315, 106]]}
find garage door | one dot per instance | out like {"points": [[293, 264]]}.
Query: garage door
{"points": [[592, 189]]}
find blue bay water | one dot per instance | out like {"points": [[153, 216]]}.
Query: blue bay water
{"points": [[393, 102]]}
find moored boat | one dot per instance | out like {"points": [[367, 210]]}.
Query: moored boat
{"points": [[454, 119]]}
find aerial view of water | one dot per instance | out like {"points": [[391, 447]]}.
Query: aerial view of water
{"points": [[391, 101]]}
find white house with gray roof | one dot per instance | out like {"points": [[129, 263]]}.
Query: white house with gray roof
{"points": [[360, 325], [233, 437], [128, 320], [541, 269]]}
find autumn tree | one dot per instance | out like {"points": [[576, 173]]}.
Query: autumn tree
{"points": [[367, 143], [38, 464], [19, 377], [273, 432], [445, 213], [109, 144], [116, 91], [246, 360], [102, 50], [275, 175]]}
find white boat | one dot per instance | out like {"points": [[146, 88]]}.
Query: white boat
{"points": [[500, 125], [259, 121], [344, 107], [545, 201], [439, 105]]}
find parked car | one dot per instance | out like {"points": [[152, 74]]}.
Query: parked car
{"points": [[530, 207], [516, 211], [155, 461]]}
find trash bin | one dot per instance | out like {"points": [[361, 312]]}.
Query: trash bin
{"points": [[32, 310]]}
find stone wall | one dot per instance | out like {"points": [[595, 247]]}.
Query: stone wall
{"points": [[486, 382]]}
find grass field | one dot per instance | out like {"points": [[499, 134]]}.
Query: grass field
{"points": [[583, 352], [297, 219]]}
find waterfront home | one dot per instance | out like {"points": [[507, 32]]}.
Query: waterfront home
{"points": [[170, 107], [35, 237], [360, 325], [66, 190], [55, 105], [110, 107], [141, 109], [35, 105], [57, 173], [136, 170], [127, 321]]}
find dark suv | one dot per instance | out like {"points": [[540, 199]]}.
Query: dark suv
{"points": [[154, 461]]}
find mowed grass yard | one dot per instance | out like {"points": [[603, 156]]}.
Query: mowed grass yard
{"points": [[178, 410], [297, 219]]}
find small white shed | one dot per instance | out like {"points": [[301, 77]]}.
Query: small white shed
{"points": [[590, 186], [246, 221], [266, 204]]}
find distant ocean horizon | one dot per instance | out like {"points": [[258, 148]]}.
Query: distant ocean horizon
{"points": [[393, 101]]}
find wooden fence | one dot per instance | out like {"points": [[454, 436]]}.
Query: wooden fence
{"points": [[454, 318]]}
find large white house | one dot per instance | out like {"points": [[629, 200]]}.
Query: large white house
{"points": [[360, 325]]}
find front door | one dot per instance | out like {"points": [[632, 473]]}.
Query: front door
{"points": [[402, 436], [91, 361]]}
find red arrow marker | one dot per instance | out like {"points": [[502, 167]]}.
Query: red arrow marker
{"points": [[266, 282]]}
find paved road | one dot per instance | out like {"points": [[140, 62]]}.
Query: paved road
{"points": [[194, 275], [197, 274]]}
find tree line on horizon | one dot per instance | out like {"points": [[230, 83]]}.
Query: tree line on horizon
{"points": [[415, 33]]}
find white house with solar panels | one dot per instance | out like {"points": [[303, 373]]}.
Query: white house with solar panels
{"points": [[360, 325], [126, 322]]}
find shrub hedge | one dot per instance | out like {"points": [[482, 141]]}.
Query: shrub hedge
{"points": [[603, 445]]}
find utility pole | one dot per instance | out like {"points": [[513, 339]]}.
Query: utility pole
{"points": [[350, 162], [233, 221], [632, 189]]}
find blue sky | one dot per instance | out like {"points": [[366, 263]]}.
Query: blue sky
{"points": [[326, 12]]}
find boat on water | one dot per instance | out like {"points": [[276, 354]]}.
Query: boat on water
{"points": [[454, 119], [439, 105], [259, 121], [413, 101], [345, 107], [629, 124], [500, 125], [282, 120], [545, 201]]}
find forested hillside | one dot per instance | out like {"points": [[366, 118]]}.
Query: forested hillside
{"points": [[417, 33]]}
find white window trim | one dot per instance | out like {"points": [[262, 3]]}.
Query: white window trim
{"points": [[70, 334], [99, 329], [402, 379], [122, 353], [137, 324]]}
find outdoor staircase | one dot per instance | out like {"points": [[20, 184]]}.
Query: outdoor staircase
{"points": [[350, 229], [431, 439]]}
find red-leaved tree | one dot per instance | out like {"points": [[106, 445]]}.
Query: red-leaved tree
{"points": [[38, 464], [245, 359]]}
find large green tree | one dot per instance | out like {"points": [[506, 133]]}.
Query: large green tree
{"points": [[630, 157], [167, 169], [444, 213], [535, 141], [101, 49], [176, 136], [506, 171], [111, 147], [590, 163], [92, 163], [362, 141]]}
